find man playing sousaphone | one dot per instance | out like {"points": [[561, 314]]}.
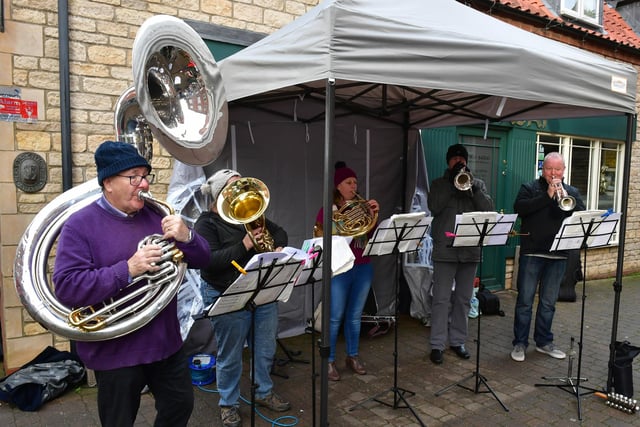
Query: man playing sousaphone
{"points": [[350, 289], [231, 242], [98, 258]]}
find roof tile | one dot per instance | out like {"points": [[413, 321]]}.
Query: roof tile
{"points": [[615, 27]]}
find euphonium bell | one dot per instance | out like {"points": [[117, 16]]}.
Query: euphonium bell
{"points": [[244, 201]]}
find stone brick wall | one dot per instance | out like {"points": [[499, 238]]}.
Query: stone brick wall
{"points": [[100, 40]]}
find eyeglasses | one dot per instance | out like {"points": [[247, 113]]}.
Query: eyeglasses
{"points": [[135, 180]]}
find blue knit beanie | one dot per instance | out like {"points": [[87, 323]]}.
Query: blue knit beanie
{"points": [[114, 157]]}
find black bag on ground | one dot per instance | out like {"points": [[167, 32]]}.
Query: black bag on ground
{"points": [[489, 302], [622, 369], [44, 378], [572, 275]]}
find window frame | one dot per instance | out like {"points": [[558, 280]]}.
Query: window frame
{"points": [[580, 14], [565, 145]]}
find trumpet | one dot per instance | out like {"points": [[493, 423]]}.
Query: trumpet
{"points": [[565, 201], [463, 180]]}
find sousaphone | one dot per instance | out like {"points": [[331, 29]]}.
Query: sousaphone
{"points": [[179, 90], [179, 99]]}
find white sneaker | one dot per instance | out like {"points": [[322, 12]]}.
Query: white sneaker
{"points": [[518, 353], [552, 351]]}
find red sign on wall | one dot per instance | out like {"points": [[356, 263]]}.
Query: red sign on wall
{"points": [[17, 110]]}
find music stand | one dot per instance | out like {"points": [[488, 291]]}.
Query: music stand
{"points": [[311, 274], [582, 230], [267, 277], [480, 229], [395, 235]]}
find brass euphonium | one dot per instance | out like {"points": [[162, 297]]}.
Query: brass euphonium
{"points": [[244, 201]]}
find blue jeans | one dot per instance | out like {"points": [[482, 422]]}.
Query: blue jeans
{"points": [[232, 330], [548, 272], [349, 293]]}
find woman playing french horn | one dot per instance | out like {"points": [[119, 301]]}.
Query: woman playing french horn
{"points": [[349, 290]]}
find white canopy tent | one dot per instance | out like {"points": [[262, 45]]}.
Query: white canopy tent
{"points": [[350, 71]]}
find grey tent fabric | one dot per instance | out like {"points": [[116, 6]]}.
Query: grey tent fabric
{"points": [[442, 62]]}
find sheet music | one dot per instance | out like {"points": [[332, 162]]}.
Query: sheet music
{"points": [[342, 257], [278, 286], [385, 237], [469, 225], [572, 232], [312, 265]]}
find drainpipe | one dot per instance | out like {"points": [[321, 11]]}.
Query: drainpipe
{"points": [[65, 105]]}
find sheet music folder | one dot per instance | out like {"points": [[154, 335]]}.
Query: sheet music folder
{"points": [[470, 228], [274, 272], [384, 240], [593, 228]]}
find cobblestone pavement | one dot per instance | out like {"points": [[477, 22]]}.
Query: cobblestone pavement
{"points": [[534, 391]]}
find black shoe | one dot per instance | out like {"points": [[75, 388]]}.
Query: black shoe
{"points": [[460, 351], [437, 356]]}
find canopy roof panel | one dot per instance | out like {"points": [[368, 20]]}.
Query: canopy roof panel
{"points": [[440, 62]]}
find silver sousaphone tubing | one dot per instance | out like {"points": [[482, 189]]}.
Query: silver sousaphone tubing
{"points": [[180, 101]]}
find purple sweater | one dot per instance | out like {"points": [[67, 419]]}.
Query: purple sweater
{"points": [[91, 266]]}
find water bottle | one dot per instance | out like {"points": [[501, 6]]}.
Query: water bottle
{"points": [[474, 310]]}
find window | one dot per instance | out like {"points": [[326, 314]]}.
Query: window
{"points": [[593, 166], [584, 10]]}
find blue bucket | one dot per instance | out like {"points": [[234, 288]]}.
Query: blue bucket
{"points": [[202, 368]]}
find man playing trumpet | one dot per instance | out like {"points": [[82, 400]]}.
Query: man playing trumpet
{"points": [[450, 196], [542, 205]]}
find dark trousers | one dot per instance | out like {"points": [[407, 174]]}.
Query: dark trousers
{"points": [[169, 381]]}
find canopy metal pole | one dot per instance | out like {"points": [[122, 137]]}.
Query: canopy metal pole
{"points": [[326, 249], [617, 285]]}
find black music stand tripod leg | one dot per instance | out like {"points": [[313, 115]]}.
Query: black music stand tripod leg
{"points": [[483, 231], [480, 379], [572, 384], [290, 357], [398, 393]]}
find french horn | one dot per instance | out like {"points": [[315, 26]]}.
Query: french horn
{"points": [[178, 98], [244, 201], [354, 218]]}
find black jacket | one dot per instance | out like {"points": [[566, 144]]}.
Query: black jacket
{"points": [[541, 216], [225, 242], [445, 202]]}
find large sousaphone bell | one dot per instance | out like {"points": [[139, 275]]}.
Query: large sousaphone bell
{"points": [[179, 90], [179, 98]]}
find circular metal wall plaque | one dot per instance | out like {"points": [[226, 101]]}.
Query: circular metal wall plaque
{"points": [[29, 172]]}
